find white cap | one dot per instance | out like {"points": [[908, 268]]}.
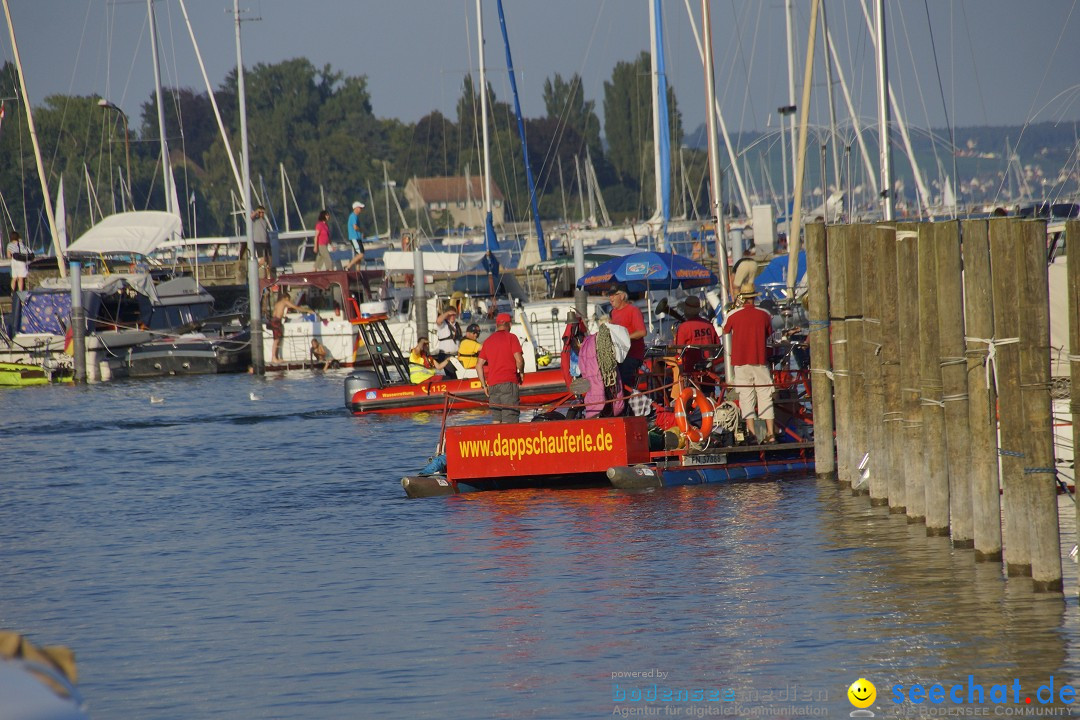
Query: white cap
{"points": [[357, 204]]}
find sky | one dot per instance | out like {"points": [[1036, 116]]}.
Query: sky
{"points": [[999, 61]]}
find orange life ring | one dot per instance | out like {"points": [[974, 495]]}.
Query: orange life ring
{"points": [[704, 405]]}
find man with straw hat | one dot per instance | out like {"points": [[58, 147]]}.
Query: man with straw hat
{"points": [[750, 328]]}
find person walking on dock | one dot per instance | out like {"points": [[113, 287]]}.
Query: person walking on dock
{"points": [[625, 313], [500, 367], [356, 235], [750, 328], [322, 242]]}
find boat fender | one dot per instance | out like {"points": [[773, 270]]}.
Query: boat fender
{"points": [[704, 405]]}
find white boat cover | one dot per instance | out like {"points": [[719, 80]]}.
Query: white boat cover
{"points": [[138, 233], [436, 262]]}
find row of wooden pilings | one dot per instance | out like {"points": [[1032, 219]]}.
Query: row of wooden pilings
{"points": [[930, 347]]}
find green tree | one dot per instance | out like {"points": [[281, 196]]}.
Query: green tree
{"points": [[628, 129], [567, 107]]}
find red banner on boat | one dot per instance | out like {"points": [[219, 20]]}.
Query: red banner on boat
{"points": [[545, 448]]}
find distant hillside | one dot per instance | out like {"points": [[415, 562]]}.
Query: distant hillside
{"points": [[1046, 160]]}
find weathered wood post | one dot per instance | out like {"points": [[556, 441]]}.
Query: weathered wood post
{"points": [[1072, 232], [836, 239], [933, 410], [1039, 478], [1004, 239], [853, 319], [821, 384], [954, 380], [892, 413], [907, 268], [982, 416], [871, 352]]}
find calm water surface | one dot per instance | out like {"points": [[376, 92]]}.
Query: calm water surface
{"points": [[215, 555]]}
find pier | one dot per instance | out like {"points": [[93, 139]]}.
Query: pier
{"points": [[931, 354]]}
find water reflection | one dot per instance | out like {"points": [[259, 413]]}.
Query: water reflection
{"points": [[260, 561]]}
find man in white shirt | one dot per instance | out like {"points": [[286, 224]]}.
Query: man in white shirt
{"points": [[21, 256]]}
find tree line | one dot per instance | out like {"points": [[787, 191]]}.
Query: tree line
{"points": [[318, 125]]}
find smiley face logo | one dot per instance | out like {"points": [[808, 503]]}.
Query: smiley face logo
{"points": [[862, 693]]}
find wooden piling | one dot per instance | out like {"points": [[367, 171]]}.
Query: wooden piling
{"points": [[1039, 474], [982, 417], [933, 410], [1072, 232], [1004, 241], [872, 371], [853, 319], [821, 384], [836, 240], [892, 414], [907, 268], [954, 380]]}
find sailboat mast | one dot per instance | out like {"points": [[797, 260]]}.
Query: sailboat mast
{"points": [[885, 148], [166, 169], [661, 128], [540, 244], [254, 304], [715, 178], [37, 148], [789, 19], [488, 230]]}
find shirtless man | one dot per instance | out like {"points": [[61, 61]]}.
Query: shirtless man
{"points": [[277, 322]]}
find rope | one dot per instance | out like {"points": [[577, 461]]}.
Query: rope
{"points": [[947, 361], [816, 325], [827, 373], [1074, 358], [930, 402], [955, 398], [605, 356], [892, 417], [1010, 453], [1040, 471], [992, 345]]}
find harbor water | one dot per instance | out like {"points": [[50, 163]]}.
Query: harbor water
{"points": [[240, 547]]}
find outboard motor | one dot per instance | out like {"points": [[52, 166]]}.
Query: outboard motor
{"points": [[359, 380]]}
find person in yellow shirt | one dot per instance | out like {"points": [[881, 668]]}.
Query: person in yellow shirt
{"points": [[421, 365], [469, 347]]}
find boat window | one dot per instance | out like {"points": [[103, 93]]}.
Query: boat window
{"points": [[118, 311]]}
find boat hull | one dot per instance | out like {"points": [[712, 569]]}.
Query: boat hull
{"points": [[539, 388], [189, 357], [22, 375], [599, 452]]}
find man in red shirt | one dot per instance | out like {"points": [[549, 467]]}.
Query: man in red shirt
{"points": [[694, 331], [750, 328], [499, 367], [625, 313]]}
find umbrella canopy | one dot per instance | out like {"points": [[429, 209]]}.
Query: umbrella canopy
{"points": [[772, 281], [647, 271]]}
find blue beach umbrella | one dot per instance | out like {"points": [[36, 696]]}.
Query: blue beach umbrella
{"points": [[647, 271]]}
